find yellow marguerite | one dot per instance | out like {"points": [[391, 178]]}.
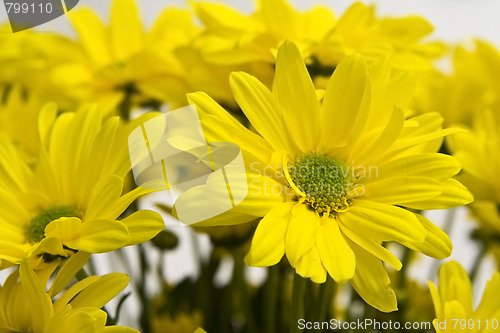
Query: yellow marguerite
{"points": [[453, 302], [19, 120], [71, 198], [477, 150], [473, 86], [120, 62], [25, 305], [27, 58], [231, 37], [331, 176]]}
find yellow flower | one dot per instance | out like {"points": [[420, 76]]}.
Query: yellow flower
{"points": [[231, 37], [477, 151], [25, 305], [121, 62], [19, 120], [453, 302], [27, 58], [331, 177], [474, 85], [70, 200], [359, 30]]}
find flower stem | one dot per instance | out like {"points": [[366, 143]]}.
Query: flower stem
{"points": [[326, 294], [271, 291], [298, 299]]}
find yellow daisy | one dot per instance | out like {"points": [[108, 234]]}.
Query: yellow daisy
{"points": [[25, 305], [122, 63], [453, 302], [27, 58], [331, 176], [231, 37], [477, 151], [71, 198], [473, 86], [19, 120]]}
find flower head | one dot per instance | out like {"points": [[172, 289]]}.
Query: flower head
{"points": [[25, 305], [71, 198], [333, 175], [453, 302]]}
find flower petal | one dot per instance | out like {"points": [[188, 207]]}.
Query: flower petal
{"points": [[68, 272], [347, 101], [371, 281], [310, 266], [268, 242], [143, 225], [301, 232], [436, 244], [336, 255], [95, 236], [35, 291], [296, 95], [384, 222], [100, 292]]}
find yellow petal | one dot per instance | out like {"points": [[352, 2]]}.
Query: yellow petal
{"points": [[40, 301], [453, 194], [126, 29], [296, 95], [384, 222], [268, 242], [68, 272], [143, 225], [104, 197], [490, 302], [336, 255], [347, 101], [101, 291], [260, 107], [397, 190], [301, 232], [72, 291], [455, 285], [93, 236], [92, 34], [436, 244], [214, 199], [310, 266], [371, 281], [432, 165], [220, 126], [372, 247]]}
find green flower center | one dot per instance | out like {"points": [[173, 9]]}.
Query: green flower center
{"points": [[36, 228], [325, 182]]}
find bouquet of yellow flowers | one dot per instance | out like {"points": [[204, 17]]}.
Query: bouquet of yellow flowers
{"points": [[268, 170]]}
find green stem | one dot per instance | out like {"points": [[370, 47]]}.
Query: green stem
{"points": [[271, 300], [298, 299], [241, 288], [477, 263], [326, 294]]}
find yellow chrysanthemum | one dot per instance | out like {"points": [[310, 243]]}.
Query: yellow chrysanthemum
{"points": [[231, 37], [25, 305], [453, 302], [477, 151], [331, 176], [123, 63], [474, 85], [28, 56], [71, 198]]}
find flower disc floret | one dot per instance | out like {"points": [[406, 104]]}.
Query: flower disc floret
{"points": [[325, 182], [36, 228]]}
